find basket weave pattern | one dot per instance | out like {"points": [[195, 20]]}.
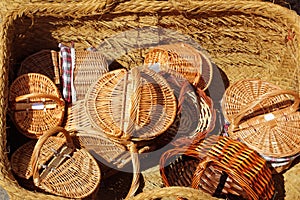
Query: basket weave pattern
{"points": [[237, 36]]}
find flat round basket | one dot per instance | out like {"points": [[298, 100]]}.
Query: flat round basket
{"points": [[57, 166], [263, 116], [183, 59], [220, 166], [132, 105], [35, 104]]}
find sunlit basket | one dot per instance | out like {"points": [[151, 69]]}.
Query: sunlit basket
{"points": [[265, 117], [57, 166], [245, 39], [35, 104], [220, 166], [184, 59]]}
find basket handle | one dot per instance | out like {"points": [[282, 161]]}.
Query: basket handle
{"points": [[24, 106], [36, 152], [208, 160], [238, 117]]}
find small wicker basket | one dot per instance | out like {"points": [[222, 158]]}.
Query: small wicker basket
{"points": [[65, 170], [35, 104], [184, 59], [265, 117], [220, 166]]}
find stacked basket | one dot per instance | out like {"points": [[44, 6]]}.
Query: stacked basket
{"points": [[262, 42]]}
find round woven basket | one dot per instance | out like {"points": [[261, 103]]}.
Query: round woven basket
{"points": [[36, 104], [144, 99], [246, 39], [265, 117]]}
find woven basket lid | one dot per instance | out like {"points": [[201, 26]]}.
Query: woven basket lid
{"points": [[263, 116], [131, 105], [36, 104], [43, 62], [193, 64], [65, 170]]}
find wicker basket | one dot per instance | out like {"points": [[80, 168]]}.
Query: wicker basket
{"points": [[68, 171], [265, 117], [221, 166], [244, 38], [43, 62], [36, 104], [182, 58]]}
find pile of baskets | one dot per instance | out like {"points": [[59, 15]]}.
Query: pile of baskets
{"points": [[217, 107]]}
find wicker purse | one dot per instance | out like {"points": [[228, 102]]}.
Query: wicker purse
{"points": [[184, 59], [220, 166], [35, 104], [57, 166], [264, 117]]}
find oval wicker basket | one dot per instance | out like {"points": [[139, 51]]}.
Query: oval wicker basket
{"points": [[36, 104], [184, 59], [246, 39], [66, 170], [144, 99], [265, 117], [221, 166]]}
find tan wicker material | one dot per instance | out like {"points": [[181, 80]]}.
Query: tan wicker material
{"points": [[43, 62], [89, 66], [102, 148], [184, 59], [195, 109], [143, 96], [219, 166], [264, 117], [36, 104], [68, 171], [244, 38]]}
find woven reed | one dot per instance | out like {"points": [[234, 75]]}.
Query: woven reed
{"points": [[184, 59], [76, 175], [143, 96], [89, 66], [27, 91], [263, 116], [195, 109], [43, 62], [262, 46], [248, 174]]}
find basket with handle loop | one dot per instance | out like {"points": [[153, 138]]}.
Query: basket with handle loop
{"points": [[35, 104], [219, 166], [57, 165], [266, 118], [184, 59]]}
